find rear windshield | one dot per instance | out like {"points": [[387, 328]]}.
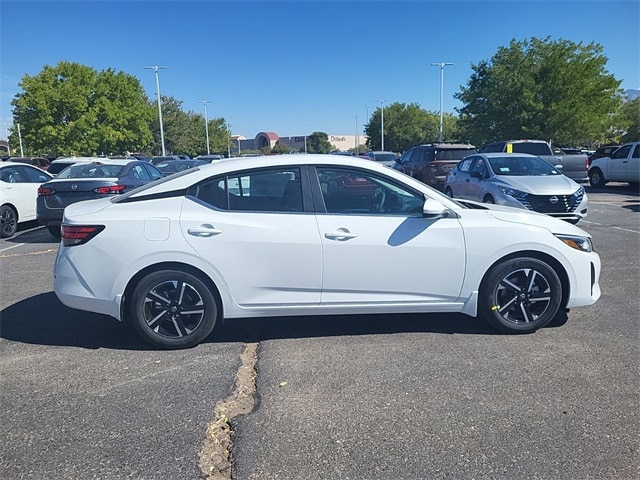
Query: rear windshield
{"points": [[454, 153], [531, 148], [55, 168], [91, 171]]}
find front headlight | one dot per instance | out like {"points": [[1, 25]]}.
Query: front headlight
{"points": [[583, 244], [512, 192], [579, 192]]}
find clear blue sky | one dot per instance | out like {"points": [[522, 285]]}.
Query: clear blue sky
{"points": [[294, 67]]}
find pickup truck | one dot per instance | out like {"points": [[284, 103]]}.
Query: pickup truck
{"points": [[573, 166], [623, 165]]}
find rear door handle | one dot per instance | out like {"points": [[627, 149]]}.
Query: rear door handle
{"points": [[340, 234], [204, 231]]}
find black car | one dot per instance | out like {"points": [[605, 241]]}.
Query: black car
{"points": [[87, 181], [431, 163], [173, 166]]}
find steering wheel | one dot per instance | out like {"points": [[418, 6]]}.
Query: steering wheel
{"points": [[380, 195]]}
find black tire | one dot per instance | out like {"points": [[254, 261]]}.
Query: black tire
{"points": [[488, 199], [8, 221], [54, 230], [173, 309], [448, 192], [596, 178], [520, 295]]}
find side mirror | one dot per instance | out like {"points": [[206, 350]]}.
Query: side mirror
{"points": [[433, 209]]}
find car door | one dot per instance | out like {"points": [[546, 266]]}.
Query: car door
{"points": [[252, 228], [458, 178], [633, 174], [619, 164], [21, 186], [476, 186], [378, 248]]}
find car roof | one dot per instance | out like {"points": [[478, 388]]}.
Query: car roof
{"points": [[189, 177], [503, 155], [10, 163], [77, 159]]}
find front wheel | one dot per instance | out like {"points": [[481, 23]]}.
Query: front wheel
{"points": [[520, 295], [596, 179], [448, 192], [488, 199], [173, 309], [8, 221]]}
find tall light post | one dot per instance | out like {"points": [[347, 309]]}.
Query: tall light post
{"points": [[441, 65], [156, 68], [357, 136], [206, 124], [382, 123], [305, 138]]}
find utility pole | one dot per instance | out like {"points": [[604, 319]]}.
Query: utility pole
{"points": [[206, 124], [156, 68], [382, 123], [441, 65]]}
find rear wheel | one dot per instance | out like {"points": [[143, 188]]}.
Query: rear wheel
{"points": [[173, 309], [596, 178], [8, 221], [520, 295]]}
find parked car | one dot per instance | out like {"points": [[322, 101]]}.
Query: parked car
{"points": [[430, 163], [85, 181], [386, 158], [41, 162], [604, 151], [160, 158], [297, 235], [169, 167], [19, 184], [60, 164], [574, 166], [210, 158], [623, 165], [518, 180]]}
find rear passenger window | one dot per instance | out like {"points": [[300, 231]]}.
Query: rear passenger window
{"points": [[272, 190]]}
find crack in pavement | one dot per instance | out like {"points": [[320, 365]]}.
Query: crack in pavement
{"points": [[215, 455]]}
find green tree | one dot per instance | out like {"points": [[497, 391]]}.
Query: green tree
{"points": [[72, 109], [406, 125], [544, 89], [281, 148], [318, 142], [630, 121]]}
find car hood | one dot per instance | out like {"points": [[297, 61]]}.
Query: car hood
{"points": [[526, 217], [539, 185]]}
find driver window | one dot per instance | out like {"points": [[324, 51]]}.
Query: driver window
{"points": [[479, 167], [352, 191]]}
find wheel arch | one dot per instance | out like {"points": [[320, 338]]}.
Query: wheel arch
{"points": [[12, 207], [553, 263], [133, 281]]}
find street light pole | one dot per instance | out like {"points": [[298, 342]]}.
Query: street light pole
{"points": [[156, 68], [206, 124], [382, 123], [441, 65], [357, 136]]}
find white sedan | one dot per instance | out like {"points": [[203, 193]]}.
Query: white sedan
{"points": [[313, 235], [19, 184]]}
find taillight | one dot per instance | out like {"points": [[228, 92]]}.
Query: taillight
{"points": [[45, 191], [110, 189], [78, 234]]}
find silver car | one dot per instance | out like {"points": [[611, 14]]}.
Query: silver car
{"points": [[517, 180]]}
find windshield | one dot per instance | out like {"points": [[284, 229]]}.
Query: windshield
{"points": [[384, 157], [521, 166]]}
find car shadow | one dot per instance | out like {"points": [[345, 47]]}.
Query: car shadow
{"points": [[43, 320]]}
